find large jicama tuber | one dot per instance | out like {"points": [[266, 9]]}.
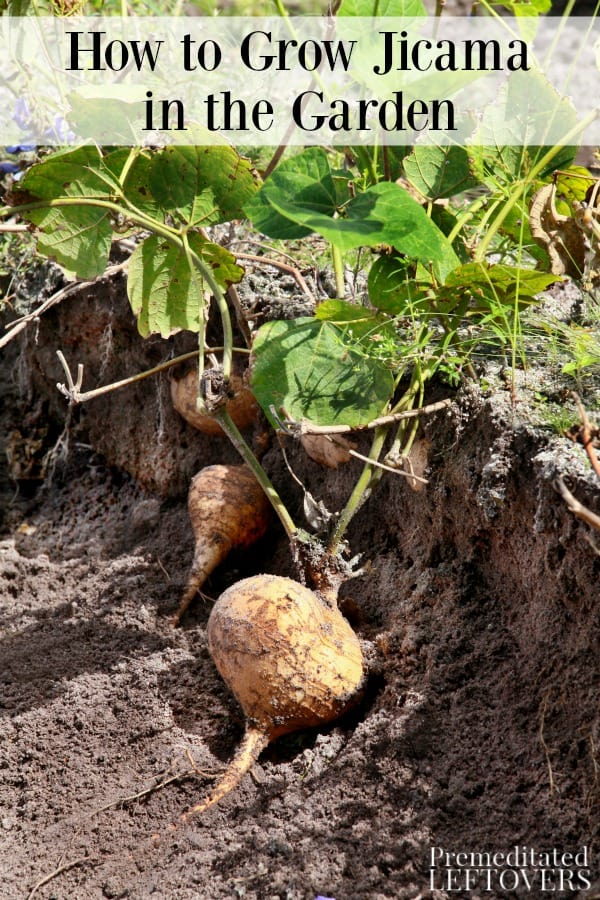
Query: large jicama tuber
{"points": [[289, 657], [227, 509], [242, 407]]}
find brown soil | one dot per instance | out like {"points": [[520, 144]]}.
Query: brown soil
{"points": [[481, 732]]}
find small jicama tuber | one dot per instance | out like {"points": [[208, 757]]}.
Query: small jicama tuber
{"points": [[227, 509], [327, 451], [289, 657], [242, 407]]}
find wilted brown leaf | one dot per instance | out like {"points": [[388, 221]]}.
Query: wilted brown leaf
{"points": [[559, 235]]}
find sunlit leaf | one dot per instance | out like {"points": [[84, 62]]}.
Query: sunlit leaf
{"points": [[439, 171], [77, 236], [313, 370], [202, 185], [305, 182], [165, 292], [369, 8]]}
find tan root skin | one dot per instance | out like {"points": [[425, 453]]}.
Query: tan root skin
{"points": [[242, 408], [289, 657], [227, 509]]}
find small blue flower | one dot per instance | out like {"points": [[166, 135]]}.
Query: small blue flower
{"points": [[21, 148], [22, 114], [59, 130], [9, 168]]}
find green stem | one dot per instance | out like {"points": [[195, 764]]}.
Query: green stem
{"points": [[234, 435], [365, 162], [192, 265], [470, 213], [134, 216], [133, 155], [465, 217], [413, 397], [215, 289], [369, 476], [338, 268]]}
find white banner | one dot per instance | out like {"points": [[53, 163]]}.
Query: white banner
{"points": [[303, 80]]}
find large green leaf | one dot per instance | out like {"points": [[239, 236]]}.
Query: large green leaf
{"points": [[202, 185], [517, 131], [383, 214], [300, 197], [78, 236], [439, 171], [313, 370], [370, 332], [305, 182], [165, 292], [499, 282]]}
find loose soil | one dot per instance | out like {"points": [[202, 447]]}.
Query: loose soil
{"points": [[481, 731]]}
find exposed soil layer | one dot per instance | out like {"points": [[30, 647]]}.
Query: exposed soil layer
{"points": [[481, 733]]}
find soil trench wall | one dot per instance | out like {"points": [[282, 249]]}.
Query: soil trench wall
{"points": [[482, 592]]}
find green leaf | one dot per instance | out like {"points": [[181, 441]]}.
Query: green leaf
{"points": [[517, 130], [98, 110], [393, 289], [529, 282], [15, 7], [360, 319], [166, 294], [300, 197], [135, 186], [369, 8], [574, 183], [439, 171], [78, 237], [305, 182], [383, 214], [202, 185], [525, 7], [493, 288], [370, 332], [313, 370]]}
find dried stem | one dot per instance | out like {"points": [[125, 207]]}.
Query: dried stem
{"points": [[587, 435], [577, 508], [73, 393], [306, 427], [284, 267], [386, 468], [68, 865]]}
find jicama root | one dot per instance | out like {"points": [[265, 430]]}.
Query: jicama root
{"points": [[253, 743], [242, 407], [289, 657], [227, 509]]}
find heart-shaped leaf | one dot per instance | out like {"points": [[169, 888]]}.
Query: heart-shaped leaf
{"points": [[314, 370], [202, 185], [77, 236], [165, 292]]}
